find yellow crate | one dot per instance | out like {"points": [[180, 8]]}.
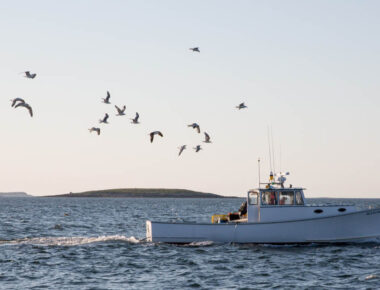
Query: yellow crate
{"points": [[219, 217]]}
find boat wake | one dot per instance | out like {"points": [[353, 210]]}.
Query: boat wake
{"points": [[201, 244], [69, 241]]}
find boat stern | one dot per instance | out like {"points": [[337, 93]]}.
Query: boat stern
{"points": [[149, 231]]}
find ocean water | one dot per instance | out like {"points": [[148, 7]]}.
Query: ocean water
{"points": [[89, 243]]}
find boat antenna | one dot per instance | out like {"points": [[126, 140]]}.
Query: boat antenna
{"points": [[280, 158], [258, 163], [274, 160], [270, 152]]}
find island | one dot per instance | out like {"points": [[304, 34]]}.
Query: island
{"points": [[14, 194], [142, 193]]}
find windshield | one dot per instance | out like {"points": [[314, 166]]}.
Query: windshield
{"points": [[269, 198], [286, 197]]}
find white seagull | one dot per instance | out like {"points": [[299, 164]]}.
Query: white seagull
{"points": [[136, 119], [195, 126], [120, 112], [106, 100], [27, 106], [207, 138], [241, 106], [29, 75], [155, 133], [195, 49], [14, 101], [94, 129], [197, 148], [183, 147], [104, 120]]}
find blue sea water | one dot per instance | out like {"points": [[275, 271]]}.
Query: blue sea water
{"points": [[90, 243]]}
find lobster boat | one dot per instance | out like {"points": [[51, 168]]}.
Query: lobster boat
{"points": [[275, 214]]}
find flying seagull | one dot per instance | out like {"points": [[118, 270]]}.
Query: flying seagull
{"points": [[29, 75], [195, 126], [106, 100], [27, 106], [195, 49], [207, 138], [155, 133], [14, 101], [94, 129], [136, 119], [197, 148], [104, 120], [120, 112], [183, 147], [241, 106]]}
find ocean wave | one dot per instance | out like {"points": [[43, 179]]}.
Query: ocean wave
{"points": [[69, 241]]}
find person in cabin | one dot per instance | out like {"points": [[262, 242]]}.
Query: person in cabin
{"points": [[272, 199]]}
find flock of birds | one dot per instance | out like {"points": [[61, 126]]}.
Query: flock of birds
{"points": [[19, 102], [120, 112]]}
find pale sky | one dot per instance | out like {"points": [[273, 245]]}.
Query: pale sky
{"points": [[308, 69]]}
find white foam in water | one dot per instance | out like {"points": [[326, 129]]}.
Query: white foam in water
{"points": [[71, 241], [201, 244], [372, 276]]}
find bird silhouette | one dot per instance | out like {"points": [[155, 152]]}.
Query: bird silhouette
{"points": [[105, 119], [29, 75], [14, 101], [106, 100], [241, 106], [197, 148], [207, 138], [183, 147], [155, 133], [195, 49], [135, 120], [94, 129], [195, 126], [27, 106], [120, 112]]}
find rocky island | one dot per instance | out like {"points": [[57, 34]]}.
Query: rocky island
{"points": [[14, 194], [142, 192]]}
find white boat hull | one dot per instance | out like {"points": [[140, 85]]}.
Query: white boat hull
{"points": [[348, 227]]}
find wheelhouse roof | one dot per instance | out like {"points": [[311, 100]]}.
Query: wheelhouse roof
{"points": [[277, 188]]}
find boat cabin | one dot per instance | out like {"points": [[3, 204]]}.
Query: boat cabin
{"points": [[272, 204], [275, 196], [277, 203]]}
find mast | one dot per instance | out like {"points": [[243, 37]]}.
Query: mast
{"points": [[258, 163]]}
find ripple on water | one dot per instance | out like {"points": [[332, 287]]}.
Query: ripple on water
{"points": [[97, 246]]}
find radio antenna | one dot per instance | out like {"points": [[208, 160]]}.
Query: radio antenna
{"points": [[258, 163], [280, 158], [274, 160], [270, 152]]}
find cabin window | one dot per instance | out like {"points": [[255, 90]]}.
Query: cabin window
{"points": [[269, 198], [252, 197], [286, 198], [299, 200]]}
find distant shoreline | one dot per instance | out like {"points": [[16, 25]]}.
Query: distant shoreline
{"points": [[14, 194], [142, 193]]}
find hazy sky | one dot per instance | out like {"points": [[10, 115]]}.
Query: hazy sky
{"points": [[308, 69]]}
